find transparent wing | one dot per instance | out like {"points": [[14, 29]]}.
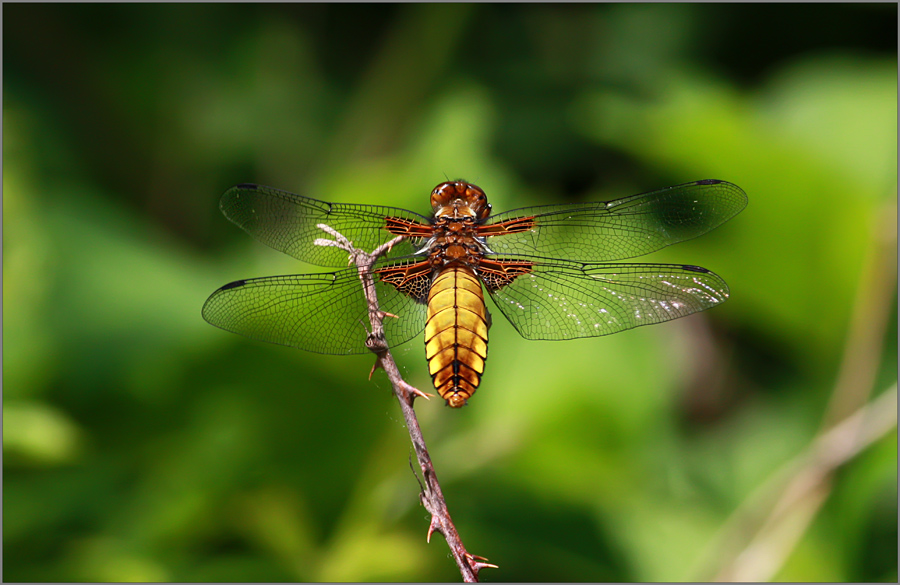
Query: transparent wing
{"points": [[287, 222], [613, 230], [567, 300], [322, 313]]}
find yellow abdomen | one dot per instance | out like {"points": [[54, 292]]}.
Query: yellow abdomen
{"points": [[456, 334]]}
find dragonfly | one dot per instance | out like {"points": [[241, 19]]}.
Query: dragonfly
{"points": [[551, 270]]}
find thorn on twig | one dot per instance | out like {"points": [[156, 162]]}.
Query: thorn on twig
{"points": [[415, 391], [476, 562], [375, 366], [433, 527]]}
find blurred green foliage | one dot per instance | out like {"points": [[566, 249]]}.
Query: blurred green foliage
{"points": [[141, 444]]}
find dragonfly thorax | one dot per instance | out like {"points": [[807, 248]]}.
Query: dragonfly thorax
{"points": [[455, 241]]}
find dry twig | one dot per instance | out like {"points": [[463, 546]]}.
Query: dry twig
{"points": [[804, 485], [782, 510], [431, 496]]}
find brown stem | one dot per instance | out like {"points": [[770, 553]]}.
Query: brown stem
{"points": [[431, 497]]}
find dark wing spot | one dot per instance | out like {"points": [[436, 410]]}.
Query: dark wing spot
{"points": [[695, 268], [234, 284], [709, 182], [247, 186]]}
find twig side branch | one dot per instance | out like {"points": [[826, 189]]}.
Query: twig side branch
{"points": [[432, 497]]}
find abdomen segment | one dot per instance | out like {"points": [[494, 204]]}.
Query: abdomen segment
{"points": [[456, 334]]}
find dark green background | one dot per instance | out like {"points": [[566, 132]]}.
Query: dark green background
{"points": [[140, 443]]}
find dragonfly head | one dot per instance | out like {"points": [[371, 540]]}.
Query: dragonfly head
{"points": [[459, 199]]}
